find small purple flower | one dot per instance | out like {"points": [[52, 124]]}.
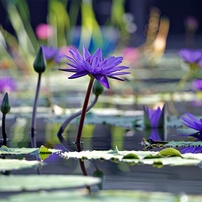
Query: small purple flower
{"points": [[154, 135], [152, 117], [95, 66], [197, 84], [50, 52], [7, 85], [191, 56], [192, 122], [194, 150]]}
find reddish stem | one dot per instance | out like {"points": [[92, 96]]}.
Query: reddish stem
{"points": [[83, 114]]}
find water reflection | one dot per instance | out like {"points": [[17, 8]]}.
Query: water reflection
{"points": [[103, 137]]}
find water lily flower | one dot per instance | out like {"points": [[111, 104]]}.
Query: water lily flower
{"points": [[194, 150], [191, 56], [50, 53], [197, 84], [192, 122], [62, 52], [7, 84], [44, 31], [95, 66], [154, 118], [154, 135]]}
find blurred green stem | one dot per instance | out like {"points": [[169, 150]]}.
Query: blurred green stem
{"points": [[4, 129], [33, 126], [179, 85]]}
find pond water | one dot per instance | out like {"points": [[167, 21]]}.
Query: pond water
{"points": [[176, 179], [104, 136]]}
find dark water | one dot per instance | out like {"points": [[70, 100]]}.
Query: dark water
{"points": [[175, 179]]}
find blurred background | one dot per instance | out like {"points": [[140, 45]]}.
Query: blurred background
{"points": [[148, 33], [181, 15]]}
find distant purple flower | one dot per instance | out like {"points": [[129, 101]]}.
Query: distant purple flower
{"points": [[50, 52], [197, 84], [191, 150], [94, 65], [7, 85], [62, 52], [153, 116], [154, 135], [191, 56], [192, 122]]}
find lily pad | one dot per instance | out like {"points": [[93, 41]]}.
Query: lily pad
{"points": [[15, 164], [24, 151], [168, 156], [103, 196], [44, 182]]}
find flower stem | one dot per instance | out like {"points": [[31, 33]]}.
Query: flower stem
{"points": [[180, 84], [83, 114], [4, 129], [69, 119], [33, 126]]}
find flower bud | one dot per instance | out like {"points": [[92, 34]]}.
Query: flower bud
{"points": [[97, 88], [40, 62], [5, 105], [98, 173]]}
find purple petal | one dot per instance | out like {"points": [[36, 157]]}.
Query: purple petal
{"points": [[103, 80], [77, 75]]}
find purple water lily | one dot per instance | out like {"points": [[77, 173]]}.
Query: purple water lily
{"points": [[95, 66], [192, 122], [154, 135], [153, 115], [50, 52], [7, 84], [191, 56], [197, 84], [191, 150]]}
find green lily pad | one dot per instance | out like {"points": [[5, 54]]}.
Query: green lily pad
{"points": [[130, 156], [170, 152], [103, 196], [27, 151], [168, 156], [15, 164], [39, 182]]}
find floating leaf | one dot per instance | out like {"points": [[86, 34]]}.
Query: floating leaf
{"points": [[102, 196], [167, 157], [169, 152], [130, 156], [18, 151], [25, 151], [38, 182], [183, 144], [15, 164]]}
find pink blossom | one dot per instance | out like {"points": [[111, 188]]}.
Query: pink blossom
{"points": [[44, 31]]}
